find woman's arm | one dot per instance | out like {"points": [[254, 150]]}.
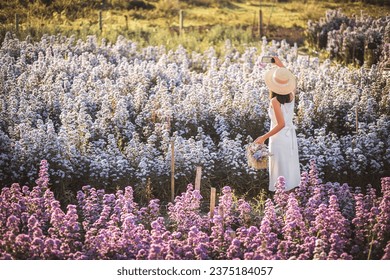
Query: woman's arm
{"points": [[278, 62], [280, 122]]}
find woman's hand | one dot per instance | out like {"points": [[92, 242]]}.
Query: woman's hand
{"points": [[278, 62], [260, 140]]}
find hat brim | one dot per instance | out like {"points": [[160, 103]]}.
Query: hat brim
{"points": [[278, 88]]}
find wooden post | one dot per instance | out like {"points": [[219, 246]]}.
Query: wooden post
{"points": [[212, 202], [198, 177], [127, 23], [100, 21], [260, 23], [17, 23], [172, 170], [181, 21], [148, 189], [254, 25], [318, 40]]}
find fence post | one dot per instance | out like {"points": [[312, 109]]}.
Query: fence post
{"points": [[172, 170], [261, 23], [212, 202], [100, 21], [127, 23], [254, 25], [198, 177], [148, 189], [17, 23], [181, 21]]}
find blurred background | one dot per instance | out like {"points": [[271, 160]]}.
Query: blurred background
{"points": [[194, 24]]}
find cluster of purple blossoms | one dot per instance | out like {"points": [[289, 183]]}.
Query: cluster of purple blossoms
{"points": [[316, 221]]}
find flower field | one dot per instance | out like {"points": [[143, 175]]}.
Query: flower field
{"points": [[360, 40], [106, 115], [317, 221], [99, 116]]}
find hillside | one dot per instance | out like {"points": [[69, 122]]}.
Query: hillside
{"points": [[156, 22]]}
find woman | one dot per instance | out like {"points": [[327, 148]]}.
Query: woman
{"points": [[284, 160]]}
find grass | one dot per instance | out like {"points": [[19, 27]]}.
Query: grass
{"points": [[204, 26]]}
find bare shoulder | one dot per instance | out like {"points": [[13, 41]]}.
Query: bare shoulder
{"points": [[274, 101]]}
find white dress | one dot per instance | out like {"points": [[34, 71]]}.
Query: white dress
{"points": [[284, 160]]}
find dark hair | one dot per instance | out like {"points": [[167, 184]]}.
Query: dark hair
{"points": [[281, 98]]}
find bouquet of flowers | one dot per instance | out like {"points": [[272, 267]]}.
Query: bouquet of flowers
{"points": [[257, 155]]}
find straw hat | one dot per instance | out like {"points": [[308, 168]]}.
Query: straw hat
{"points": [[280, 80]]}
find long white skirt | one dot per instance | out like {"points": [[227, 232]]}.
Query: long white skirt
{"points": [[284, 160]]}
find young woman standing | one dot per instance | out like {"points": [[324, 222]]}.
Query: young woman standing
{"points": [[284, 160]]}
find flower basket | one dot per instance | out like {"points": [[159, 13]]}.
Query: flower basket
{"points": [[257, 156]]}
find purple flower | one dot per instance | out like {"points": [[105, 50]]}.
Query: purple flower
{"points": [[244, 209], [294, 231], [330, 225], [43, 180], [381, 215], [318, 221], [234, 251], [313, 174], [386, 255], [281, 197], [185, 211]]}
